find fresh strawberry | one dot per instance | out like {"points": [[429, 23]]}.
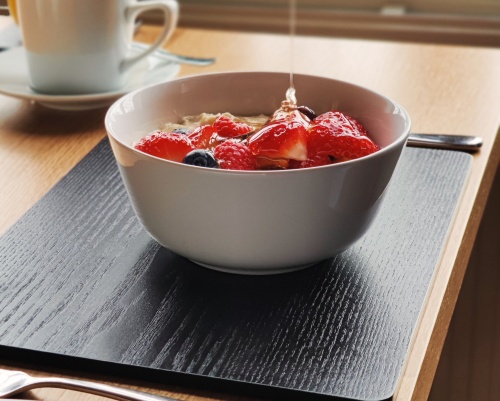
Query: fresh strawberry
{"points": [[233, 155], [171, 146], [264, 163], [340, 136], [203, 137], [312, 161], [228, 128], [341, 123], [284, 140], [282, 115]]}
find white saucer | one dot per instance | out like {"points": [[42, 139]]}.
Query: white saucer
{"points": [[14, 81]]}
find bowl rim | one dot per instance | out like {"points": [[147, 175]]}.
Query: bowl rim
{"points": [[122, 99]]}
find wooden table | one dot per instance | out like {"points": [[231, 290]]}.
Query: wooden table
{"points": [[445, 89]]}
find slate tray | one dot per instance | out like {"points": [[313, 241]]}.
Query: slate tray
{"points": [[82, 285]]}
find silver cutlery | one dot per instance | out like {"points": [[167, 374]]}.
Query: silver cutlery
{"points": [[177, 58], [441, 141], [15, 382]]}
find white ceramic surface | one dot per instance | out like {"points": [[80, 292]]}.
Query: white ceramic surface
{"points": [[254, 222], [14, 81], [78, 47]]}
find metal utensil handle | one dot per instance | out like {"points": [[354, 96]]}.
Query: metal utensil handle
{"points": [[113, 392], [441, 141], [177, 58]]}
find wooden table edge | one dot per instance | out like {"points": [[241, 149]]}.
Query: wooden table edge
{"points": [[418, 373]]}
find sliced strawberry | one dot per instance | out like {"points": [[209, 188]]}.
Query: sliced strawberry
{"points": [[171, 146], [356, 125], [228, 128], [284, 140], [264, 163], [281, 115], [233, 155], [203, 136], [340, 123], [312, 161], [340, 136]]}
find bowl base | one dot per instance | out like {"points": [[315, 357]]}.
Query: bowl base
{"points": [[255, 271]]}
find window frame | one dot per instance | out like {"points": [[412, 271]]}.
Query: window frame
{"points": [[408, 20]]}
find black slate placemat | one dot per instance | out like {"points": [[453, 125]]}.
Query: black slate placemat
{"points": [[81, 284]]}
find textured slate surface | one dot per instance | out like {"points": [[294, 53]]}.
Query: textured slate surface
{"points": [[81, 280]]}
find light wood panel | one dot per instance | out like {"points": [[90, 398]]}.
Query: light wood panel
{"points": [[469, 368]]}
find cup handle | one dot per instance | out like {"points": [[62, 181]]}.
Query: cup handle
{"points": [[170, 9]]}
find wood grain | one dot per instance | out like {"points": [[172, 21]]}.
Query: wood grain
{"points": [[446, 89], [102, 290], [469, 367]]}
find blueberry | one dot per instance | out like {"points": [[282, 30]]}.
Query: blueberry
{"points": [[181, 130], [201, 158], [307, 112]]}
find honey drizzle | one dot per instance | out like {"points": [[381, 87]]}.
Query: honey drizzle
{"points": [[291, 101]]}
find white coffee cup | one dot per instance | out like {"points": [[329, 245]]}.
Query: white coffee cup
{"points": [[83, 46]]}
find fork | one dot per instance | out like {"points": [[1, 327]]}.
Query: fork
{"points": [[14, 382]]}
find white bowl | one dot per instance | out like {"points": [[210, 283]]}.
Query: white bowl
{"points": [[254, 222]]}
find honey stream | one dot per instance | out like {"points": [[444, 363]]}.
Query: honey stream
{"points": [[291, 100]]}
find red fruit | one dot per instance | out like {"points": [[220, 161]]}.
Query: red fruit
{"points": [[284, 140], [228, 128], [314, 161], [338, 135], [171, 146], [282, 115], [233, 155], [263, 163], [203, 136]]}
